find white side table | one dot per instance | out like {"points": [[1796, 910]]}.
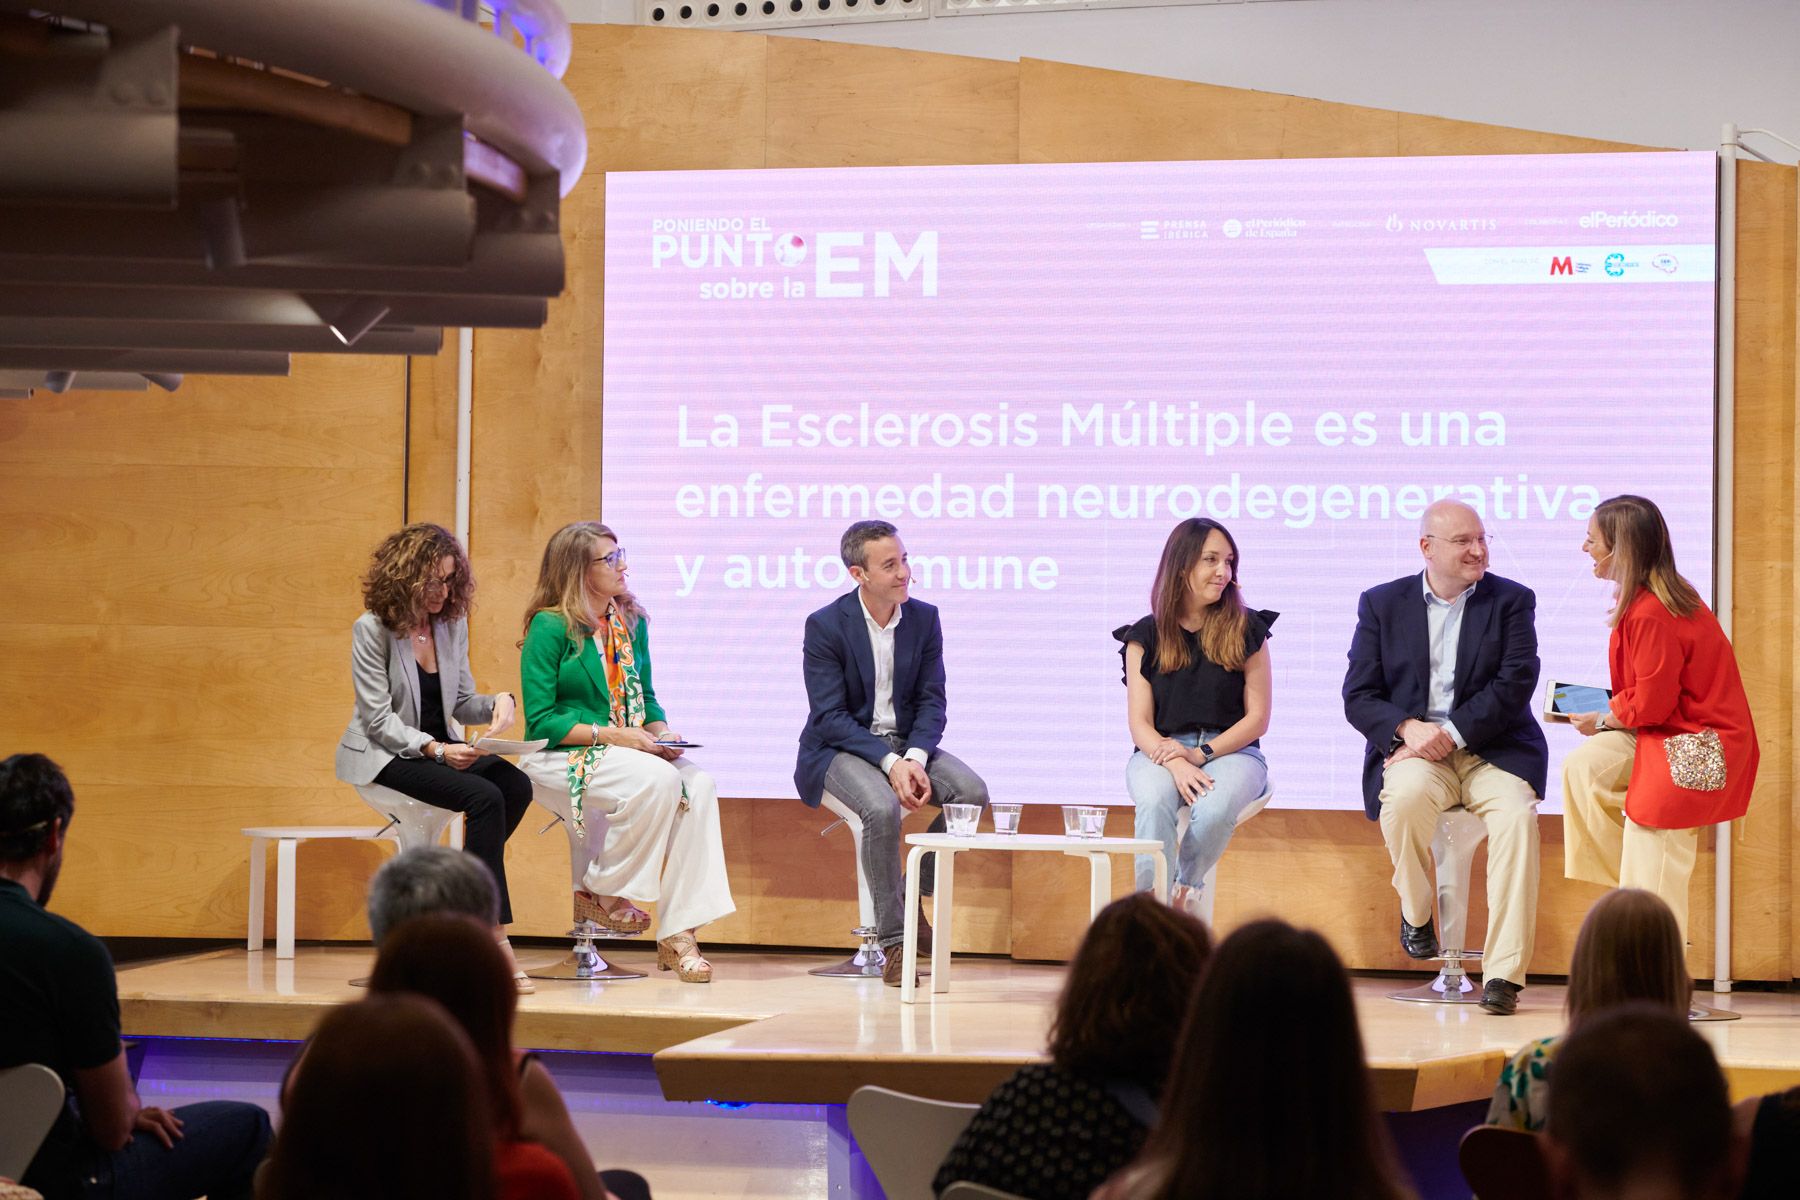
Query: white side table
{"points": [[287, 839], [1098, 852]]}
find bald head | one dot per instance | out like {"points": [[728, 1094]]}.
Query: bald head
{"points": [[1447, 513], [1454, 545]]}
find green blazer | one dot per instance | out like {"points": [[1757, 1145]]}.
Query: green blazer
{"points": [[564, 682]]}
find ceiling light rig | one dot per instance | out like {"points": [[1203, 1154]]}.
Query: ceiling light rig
{"points": [[193, 187]]}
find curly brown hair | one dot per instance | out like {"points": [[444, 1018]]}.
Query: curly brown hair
{"points": [[402, 566]]}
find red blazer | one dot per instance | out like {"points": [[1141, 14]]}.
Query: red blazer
{"points": [[1675, 675]]}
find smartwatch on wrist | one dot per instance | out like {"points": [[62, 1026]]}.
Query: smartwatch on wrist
{"points": [[1206, 751]]}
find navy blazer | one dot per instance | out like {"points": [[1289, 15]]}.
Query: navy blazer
{"points": [[840, 688], [1389, 679]]}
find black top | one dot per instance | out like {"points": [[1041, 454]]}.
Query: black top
{"points": [[1774, 1147], [1045, 1134], [431, 706], [59, 1006], [1204, 695]]}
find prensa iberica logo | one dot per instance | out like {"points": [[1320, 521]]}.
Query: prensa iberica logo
{"points": [[737, 254]]}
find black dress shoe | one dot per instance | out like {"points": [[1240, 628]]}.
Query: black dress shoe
{"points": [[1419, 941], [1500, 997]]}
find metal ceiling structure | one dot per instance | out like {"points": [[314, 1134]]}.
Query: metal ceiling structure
{"points": [[209, 186]]}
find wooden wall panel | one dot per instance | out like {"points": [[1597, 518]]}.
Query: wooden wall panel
{"points": [[431, 435], [840, 105], [180, 570], [1763, 566], [1084, 114]]}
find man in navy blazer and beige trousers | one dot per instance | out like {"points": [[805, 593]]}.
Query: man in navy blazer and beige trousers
{"points": [[1443, 671], [875, 698]]}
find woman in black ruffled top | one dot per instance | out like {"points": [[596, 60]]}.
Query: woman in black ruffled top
{"points": [[1197, 680]]}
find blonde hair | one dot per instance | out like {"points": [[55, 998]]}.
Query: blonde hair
{"points": [[403, 566], [1629, 949], [562, 581], [1642, 557]]}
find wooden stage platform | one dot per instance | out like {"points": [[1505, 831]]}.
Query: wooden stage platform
{"points": [[767, 1031]]}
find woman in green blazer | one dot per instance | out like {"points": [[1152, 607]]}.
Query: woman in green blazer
{"points": [[644, 820]]}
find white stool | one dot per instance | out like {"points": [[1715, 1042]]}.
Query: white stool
{"points": [[1209, 885], [411, 822], [583, 963], [1459, 834], [868, 959], [287, 839]]}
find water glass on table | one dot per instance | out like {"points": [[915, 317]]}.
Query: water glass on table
{"points": [[961, 819], [1006, 818]]}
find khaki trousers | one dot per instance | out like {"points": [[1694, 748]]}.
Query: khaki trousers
{"points": [[1602, 845], [1414, 793]]}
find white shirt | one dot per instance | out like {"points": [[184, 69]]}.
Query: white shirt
{"points": [[1443, 623], [881, 642]]}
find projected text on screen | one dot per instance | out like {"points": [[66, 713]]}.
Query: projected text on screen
{"points": [[1036, 371]]}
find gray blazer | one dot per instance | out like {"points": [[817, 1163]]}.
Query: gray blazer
{"points": [[385, 675]]}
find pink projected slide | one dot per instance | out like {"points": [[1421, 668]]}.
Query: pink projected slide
{"points": [[1036, 371]]}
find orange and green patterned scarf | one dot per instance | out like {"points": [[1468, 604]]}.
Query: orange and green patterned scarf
{"points": [[625, 696]]}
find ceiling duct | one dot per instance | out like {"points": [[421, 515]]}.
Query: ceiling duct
{"points": [[207, 186]]}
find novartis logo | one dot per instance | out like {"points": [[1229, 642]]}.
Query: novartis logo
{"points": [[1647, 219]]}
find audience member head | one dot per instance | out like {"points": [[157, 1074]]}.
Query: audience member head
{"points": [[582, 571], [36, 806], [1128, 988], [1197, 579], [390, 1102], [1268, 1097], [1639, 1109], [1629, 949], [417, 572], [455, 961], [431, 879], [1630, 543]]}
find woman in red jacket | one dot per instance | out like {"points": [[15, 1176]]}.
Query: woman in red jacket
{"points": [[1675, 750]]}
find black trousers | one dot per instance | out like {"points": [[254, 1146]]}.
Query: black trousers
{"points": [[493, 794]]}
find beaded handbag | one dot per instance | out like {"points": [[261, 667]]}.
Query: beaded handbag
{"points": [[1696, 761]]}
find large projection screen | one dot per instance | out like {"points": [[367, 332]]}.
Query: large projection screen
{"points": [[1036, 371]]}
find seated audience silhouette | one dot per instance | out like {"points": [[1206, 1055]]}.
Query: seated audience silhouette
{"points": [[1640, 1112], [1056, 1130], [431, 879], [59, 1006], [1770, 1126], [453, 960], [1268, 1097], [1629, 948], [391, 1102]]}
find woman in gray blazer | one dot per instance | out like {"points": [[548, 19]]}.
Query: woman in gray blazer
{"points": [[409, 664]]}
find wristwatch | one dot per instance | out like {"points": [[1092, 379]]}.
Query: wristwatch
{"points": [[439, 754], [1207, 750]]}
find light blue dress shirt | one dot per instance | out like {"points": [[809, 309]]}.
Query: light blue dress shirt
{"points": [[1443, 622]]}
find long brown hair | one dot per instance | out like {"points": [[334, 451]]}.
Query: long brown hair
{"points": [[1629, 948], [1129, 985], [388, 1102], [1642, 556], [1222, 625], [1270, 1052], [561, 586], [453, 959], [404, 565]]}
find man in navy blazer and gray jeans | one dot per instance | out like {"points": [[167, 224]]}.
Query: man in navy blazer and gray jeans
{"points": [[875, 696], [1443, 670]]}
